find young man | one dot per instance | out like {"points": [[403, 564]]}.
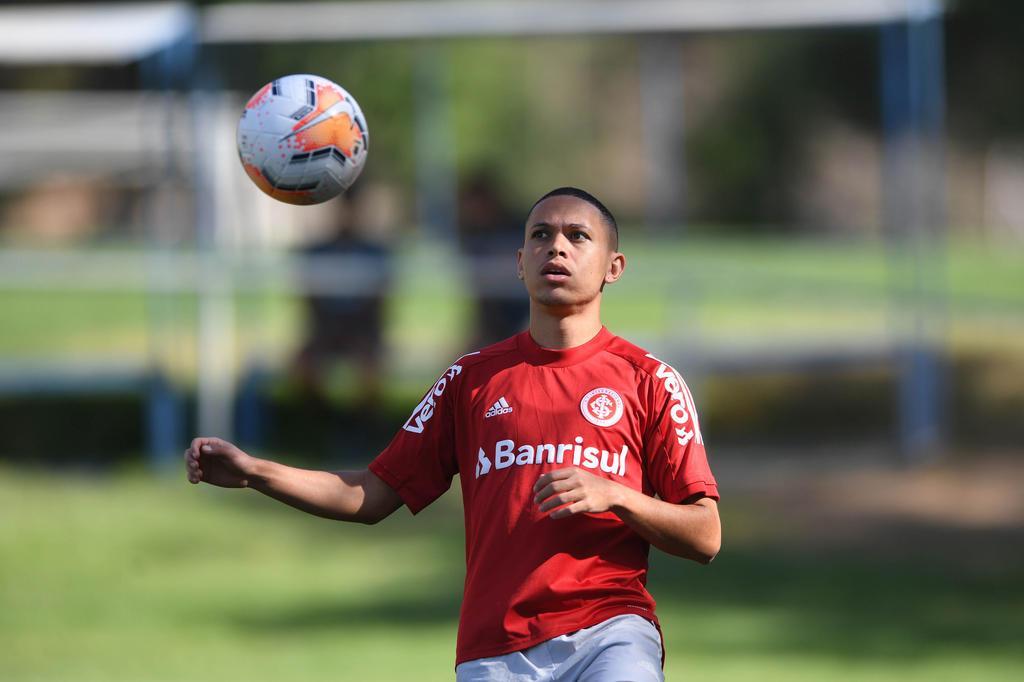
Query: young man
{"points": [[575, 449]]}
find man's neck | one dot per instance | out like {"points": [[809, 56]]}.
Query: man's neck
{"points": [[564, 329]]}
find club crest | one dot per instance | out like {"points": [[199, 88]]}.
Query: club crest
{"points": [[601, 407]]}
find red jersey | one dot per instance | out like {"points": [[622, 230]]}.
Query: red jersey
{"points": [[503, 416]]}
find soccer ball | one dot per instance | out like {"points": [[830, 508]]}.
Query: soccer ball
{"points": [[302, 139]]}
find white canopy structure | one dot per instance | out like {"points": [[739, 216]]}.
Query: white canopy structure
{"points": [[91, 34], [291, 21]]}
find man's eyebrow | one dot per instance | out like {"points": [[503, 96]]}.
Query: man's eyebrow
{"points": [[542, 223]]}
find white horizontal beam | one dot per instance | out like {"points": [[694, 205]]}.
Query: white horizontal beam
{"points": [[404, 19], [105, 33], [182, 272], [74, 132]]}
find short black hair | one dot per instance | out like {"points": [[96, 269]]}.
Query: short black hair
{"points": [[586, 196]]}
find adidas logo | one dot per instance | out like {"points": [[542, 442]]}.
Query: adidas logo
{"points": [[500, 407]]}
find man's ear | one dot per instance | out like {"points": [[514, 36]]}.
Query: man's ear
{"points": [[616, 266], [519, 263]]}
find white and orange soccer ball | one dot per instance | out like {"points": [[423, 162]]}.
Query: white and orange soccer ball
{"points": [[303, 139]]}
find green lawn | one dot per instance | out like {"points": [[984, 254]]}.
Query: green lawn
{"points": [[125, 577]]}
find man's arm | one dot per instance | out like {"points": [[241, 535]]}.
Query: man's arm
{"points": [[692, 531], [342, 495]]}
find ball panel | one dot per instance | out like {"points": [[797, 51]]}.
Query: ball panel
{"points": [[329, 188], [301, 197], [338, 131]]}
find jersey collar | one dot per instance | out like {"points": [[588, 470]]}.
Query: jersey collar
{"points": [[536, 354]]}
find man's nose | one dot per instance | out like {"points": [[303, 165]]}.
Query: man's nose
{"points": [[558, 246]]}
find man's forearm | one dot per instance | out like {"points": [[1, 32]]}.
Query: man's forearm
{"points": [[692, 531], [342, 495]]}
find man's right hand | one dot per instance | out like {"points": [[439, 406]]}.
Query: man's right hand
{"points": [[218, 462]]}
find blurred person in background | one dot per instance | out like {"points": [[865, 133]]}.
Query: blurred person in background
{"points": [[347, 326], [488, 232], [576, 451]]}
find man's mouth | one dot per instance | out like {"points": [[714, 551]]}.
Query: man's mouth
{"points": [[553, 272]]}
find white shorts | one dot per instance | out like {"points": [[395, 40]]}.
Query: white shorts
{"points": [[621, 649]]}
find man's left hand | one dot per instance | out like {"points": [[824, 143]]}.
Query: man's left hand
{"points": [[578, 490]]}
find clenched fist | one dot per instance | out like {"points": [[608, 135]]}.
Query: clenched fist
{"points": [[218, 462]]}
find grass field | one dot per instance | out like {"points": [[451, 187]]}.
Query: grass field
{"points": [[126, 577]]}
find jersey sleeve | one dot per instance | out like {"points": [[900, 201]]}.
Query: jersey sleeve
{"points": [[420, 461], [677, 464]]}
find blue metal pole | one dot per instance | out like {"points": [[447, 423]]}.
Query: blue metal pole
{"points": [[913, 104]]}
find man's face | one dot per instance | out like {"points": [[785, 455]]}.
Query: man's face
{"points": [[567, 255]]}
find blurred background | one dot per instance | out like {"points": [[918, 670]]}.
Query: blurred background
{"points": [[822, 206]]}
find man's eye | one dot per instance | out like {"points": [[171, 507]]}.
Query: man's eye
{"points": [[540, 234], [580, 235]]}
